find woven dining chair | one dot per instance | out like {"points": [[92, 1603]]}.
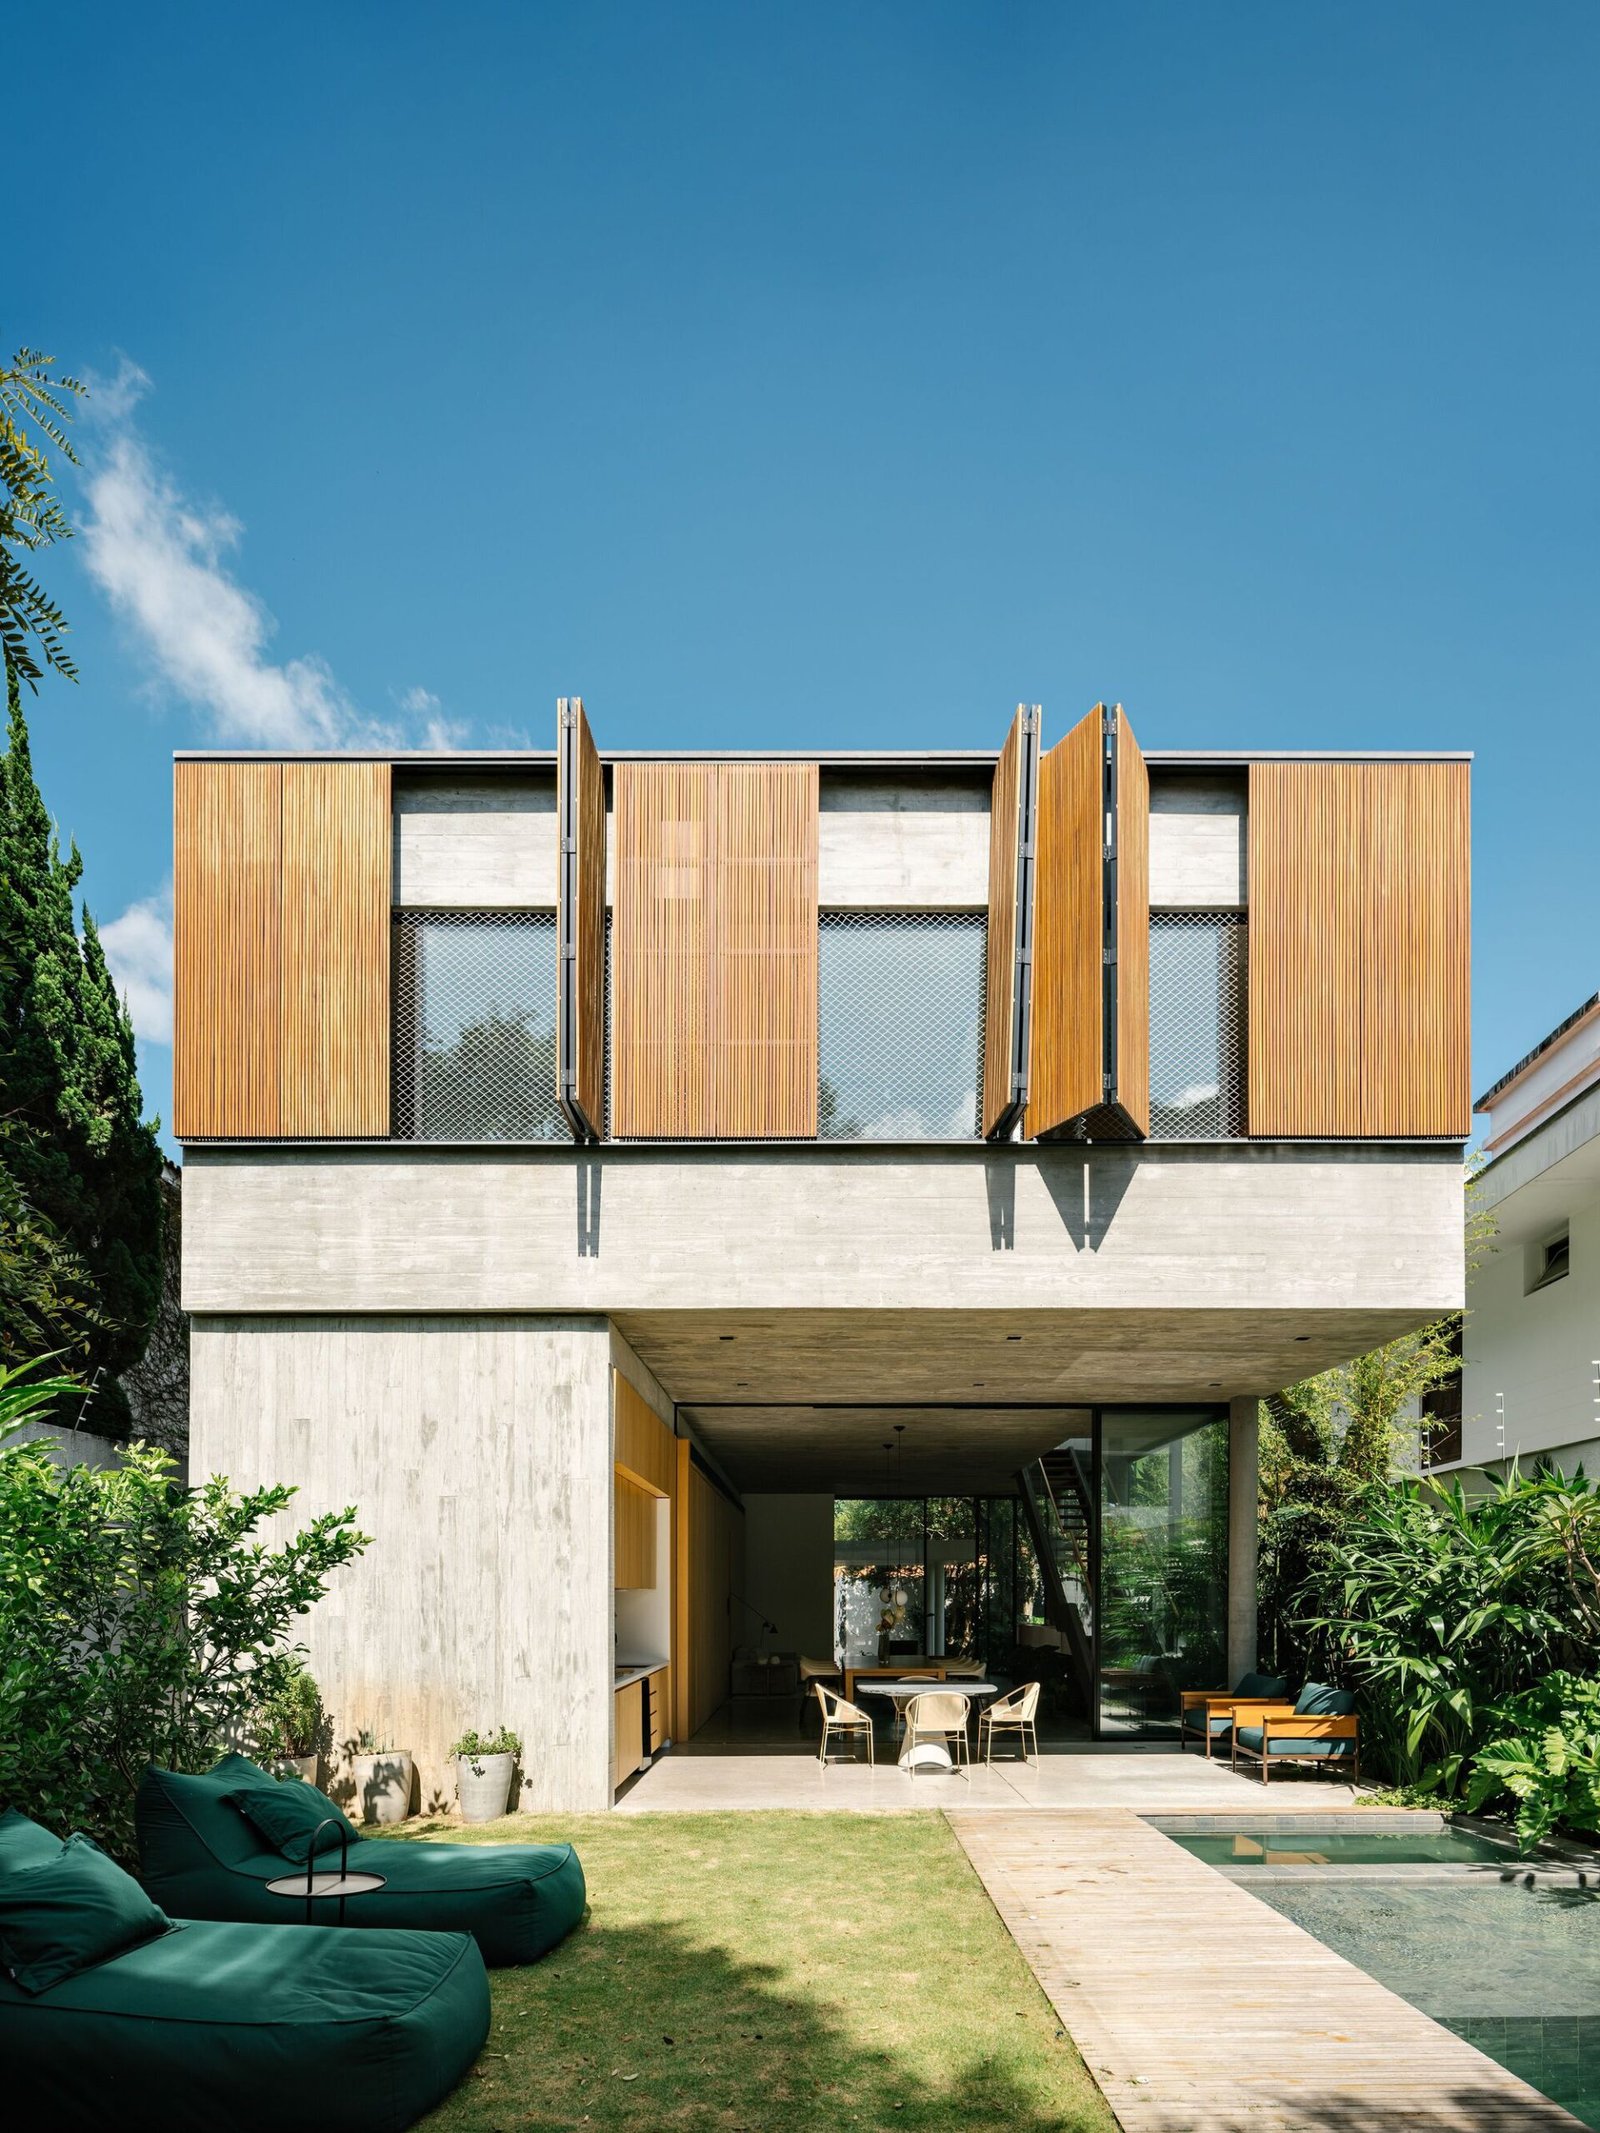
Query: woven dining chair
{"points": [[1016, 1713], [846, 1719], [938, 1715]]}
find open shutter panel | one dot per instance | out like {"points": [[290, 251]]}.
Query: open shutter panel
{"points": [[661, 950], [1090, 1019], [1012, 812], [581, 924], [1359, 984]]}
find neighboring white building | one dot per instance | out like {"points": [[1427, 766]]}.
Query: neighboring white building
{"points": [[1531, 1380]]}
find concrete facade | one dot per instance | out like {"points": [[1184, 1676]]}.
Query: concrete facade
{"points": [[1531, 1352], [430, 1332]]}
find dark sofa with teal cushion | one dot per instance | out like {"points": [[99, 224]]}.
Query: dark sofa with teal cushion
{"points": [[1321, 1728], [201, 2026], [1206, 1720], [201, 1858]]}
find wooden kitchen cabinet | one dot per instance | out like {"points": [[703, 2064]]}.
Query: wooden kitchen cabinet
{"points": [[627, 1751], [655, 1710]]}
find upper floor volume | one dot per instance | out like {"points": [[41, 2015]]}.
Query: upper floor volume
{"points": [[1075, 942]]}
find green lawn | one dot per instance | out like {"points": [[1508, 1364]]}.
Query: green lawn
{"points": [[768, 1971]]}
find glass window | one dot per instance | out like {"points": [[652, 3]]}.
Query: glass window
{"points": [[900, 1024], [1198, 1017], [475, 1026], [1163, 1608]]}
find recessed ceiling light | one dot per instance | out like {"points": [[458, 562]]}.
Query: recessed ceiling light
{"points": [[1013, 1336], [1302, 1336], [727, 1336]]}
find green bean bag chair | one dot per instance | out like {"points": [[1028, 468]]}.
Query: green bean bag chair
{"points": [[199, 2026], [200, 1857]]}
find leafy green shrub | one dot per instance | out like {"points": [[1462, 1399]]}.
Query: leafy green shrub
{"points": [[291, 1722], [140, 1621], [1545, 1752]]}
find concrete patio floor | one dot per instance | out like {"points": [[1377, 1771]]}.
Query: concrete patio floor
{"points": [[1144, 1781]]}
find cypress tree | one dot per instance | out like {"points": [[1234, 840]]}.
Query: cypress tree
{"points": [[80, 1210]]}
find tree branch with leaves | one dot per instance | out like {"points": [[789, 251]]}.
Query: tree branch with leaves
{"points": [[35, 408]]}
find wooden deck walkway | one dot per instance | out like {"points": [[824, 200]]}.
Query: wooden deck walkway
{"points": [[1201, 2010]]}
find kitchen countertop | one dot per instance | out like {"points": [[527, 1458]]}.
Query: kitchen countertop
{"points": [[623, 1675]]}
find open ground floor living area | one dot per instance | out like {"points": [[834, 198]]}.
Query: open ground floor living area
{"points": [[734, 1598]]}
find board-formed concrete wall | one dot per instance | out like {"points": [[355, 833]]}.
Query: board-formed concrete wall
{"points": [[477, 1452], [1282, 1227]]}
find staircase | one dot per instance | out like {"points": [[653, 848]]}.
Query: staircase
{"points": [[1057, 1503]]}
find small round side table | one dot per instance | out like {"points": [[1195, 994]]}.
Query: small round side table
{"points": [[314, 1887]]}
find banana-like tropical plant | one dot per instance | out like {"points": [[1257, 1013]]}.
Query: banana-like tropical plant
{"points": [[1546, 1754], [1451, 1604], [24, 1396], [33, 407]]}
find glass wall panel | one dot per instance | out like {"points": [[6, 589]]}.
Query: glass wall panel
{"points": [[878, 1579], [1163, 1563]]}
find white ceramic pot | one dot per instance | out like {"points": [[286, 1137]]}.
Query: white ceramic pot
{"points": [[483, 1799], [383, 1785], [303, 1766]]}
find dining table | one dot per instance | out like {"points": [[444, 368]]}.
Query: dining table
{"points": [[928, 1754]]}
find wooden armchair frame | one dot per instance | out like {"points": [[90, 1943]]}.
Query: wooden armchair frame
{"points": [[1289, 1724], [1215, 1702]]}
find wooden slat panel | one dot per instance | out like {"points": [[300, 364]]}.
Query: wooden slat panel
{"points": [[584, 1039], [708, 1567], [643, 1444], [1416, 951], [1066, 1051], [1133, 929], [334, 1031], [764, 929], [634, 1535], [1005, 834], [714, 1009], [1358, 949], [227, 877], [662, 1065]]}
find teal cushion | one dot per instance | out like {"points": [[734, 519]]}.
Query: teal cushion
{"points": [[23, 1843], [65, 1912], [1262, 1685], [248, 2029], [1292, 1744], [294, 1818], [1317, 1700]]}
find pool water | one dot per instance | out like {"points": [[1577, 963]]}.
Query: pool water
{"points": [[1343, 1847], [1512, 1966]]}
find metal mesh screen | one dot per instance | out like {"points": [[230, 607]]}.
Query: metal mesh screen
{"points": [[1198, 1020], [900, 1024], [475, 1026]]}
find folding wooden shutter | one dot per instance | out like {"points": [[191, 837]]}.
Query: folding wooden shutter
{"points": [[227, 899], [764, 930], [334, 972], [1012, 810], [714, 1005], [1359, 981], [581, 924], [661, 1043], [281, 918], [1089, 1045]]}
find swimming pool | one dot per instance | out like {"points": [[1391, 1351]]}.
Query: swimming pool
{"points": [[1505, 1953]]}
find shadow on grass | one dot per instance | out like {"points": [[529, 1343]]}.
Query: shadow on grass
{"points": [[645, 2026]]}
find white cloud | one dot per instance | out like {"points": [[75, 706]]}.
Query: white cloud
{"points": [[138, 949], [159, 559], [418, 700]]}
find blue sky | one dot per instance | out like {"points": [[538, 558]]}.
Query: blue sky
{"points": [[830, 376]]}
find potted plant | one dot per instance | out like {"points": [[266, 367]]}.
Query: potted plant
{"points": [[383, 1779], [484, 1764], [291, 1722]]}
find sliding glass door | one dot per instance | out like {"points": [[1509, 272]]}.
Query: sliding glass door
{"points": [[1162, 1617]]}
